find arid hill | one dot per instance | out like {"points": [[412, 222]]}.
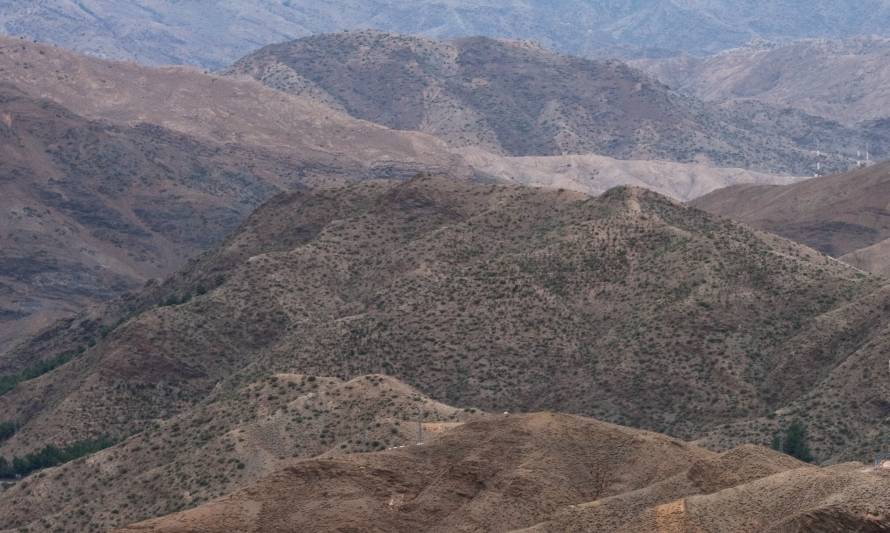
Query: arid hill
{"points": [[518, 99], [219, 109], [629, 307], [836, 214], [494, 474], [848, 497], [90, 210], [143, 168], [224, 444], [508, 473]]}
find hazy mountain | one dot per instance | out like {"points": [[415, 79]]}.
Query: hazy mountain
{"points": [[842, 80], [490, 296], [214, 33], [554, 473], [518, 99]]}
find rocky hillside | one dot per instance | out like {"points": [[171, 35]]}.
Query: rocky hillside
{"points": [[213, 34], [492, 296], [836, 214], [518, 99], [545, 472]]}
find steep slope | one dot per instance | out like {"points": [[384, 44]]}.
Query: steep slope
{"points": [[629, 307], [489, 475], [516, 98], [214, 33], [842, 80], [224, 444], [835, 214]]}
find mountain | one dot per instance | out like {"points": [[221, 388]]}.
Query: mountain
{"points": [[836, 214], [224, 444], [212, 34], [91, 210], [329, 144], [518, 99], [546, 472], [483, 295], [841, 80], [95, 204]]}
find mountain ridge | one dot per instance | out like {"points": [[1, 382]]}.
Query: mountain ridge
{"points": [[213, 34], [516, 99]]}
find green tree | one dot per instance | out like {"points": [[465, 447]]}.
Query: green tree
{"points": [[7, 430], [794, 442]]}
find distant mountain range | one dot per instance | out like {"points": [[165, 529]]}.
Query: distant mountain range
{"points": [[214, 33], [843, 80]]}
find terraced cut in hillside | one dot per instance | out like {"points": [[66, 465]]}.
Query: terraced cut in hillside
{"points": [[518, 99], [629, 307], [225, 443], [554, 473]]}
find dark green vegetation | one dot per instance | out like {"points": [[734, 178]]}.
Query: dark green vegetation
{"points": [[794, 442], [51, 455], [7, 430], [7, 383]]}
